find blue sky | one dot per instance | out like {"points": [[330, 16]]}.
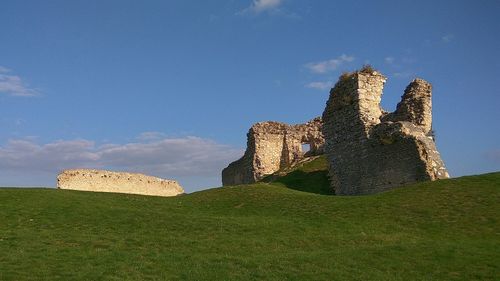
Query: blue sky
{"points": [[170, 88]]}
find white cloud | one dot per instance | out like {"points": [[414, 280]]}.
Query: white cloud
{"points": [[389, 60], [149, 136], [329, 65], [26, 154], [320, 85], [13, 85], [4, 69], [172, 158], [447, 38], [259, 6]]}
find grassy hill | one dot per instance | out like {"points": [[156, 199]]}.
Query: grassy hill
{"points": [[444, 230], [310, 175]]}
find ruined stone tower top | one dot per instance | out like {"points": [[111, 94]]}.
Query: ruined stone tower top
{"points": [[415, 105], [357, 96], [370, 150]]}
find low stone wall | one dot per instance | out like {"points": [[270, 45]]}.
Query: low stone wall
{"points": [[107, 181]]}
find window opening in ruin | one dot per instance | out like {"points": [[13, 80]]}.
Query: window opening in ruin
{"points": [[306, 147]]}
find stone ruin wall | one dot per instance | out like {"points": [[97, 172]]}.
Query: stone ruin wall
{"points": [[272, 146], [106, 181], [370, 150]]}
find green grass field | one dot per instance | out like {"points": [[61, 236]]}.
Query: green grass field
{"points": [[444, 230]]}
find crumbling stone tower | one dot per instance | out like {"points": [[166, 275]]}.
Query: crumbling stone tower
{"points": [[272, 146], [370, 150]]}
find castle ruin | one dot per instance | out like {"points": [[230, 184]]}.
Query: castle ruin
{"points": [[370, 150], [272, 146]]}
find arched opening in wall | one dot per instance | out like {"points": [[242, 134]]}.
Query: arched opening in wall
{"points": [[306, 147]]}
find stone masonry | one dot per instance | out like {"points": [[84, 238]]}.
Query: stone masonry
{"points": [[106, 181], [272, 146], [370, 150]]}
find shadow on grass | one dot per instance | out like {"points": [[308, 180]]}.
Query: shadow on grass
{"points": [[313, 181]]}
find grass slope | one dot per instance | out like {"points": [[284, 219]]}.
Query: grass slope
{"points": [[444, 230], [309, 176]]}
